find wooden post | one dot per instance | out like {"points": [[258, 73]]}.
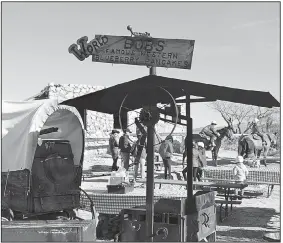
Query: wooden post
{"points": [[83, 116], [150, 178], [150, 184], [189, 159], [152, 71]]}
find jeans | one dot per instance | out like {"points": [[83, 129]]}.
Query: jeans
{"points": [[167, 167], [125, 160], [197, 173], [141, 164], [211, 135], [114, 165]]}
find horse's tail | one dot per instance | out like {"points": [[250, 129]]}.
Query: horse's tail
{"points": [[242, 146]]}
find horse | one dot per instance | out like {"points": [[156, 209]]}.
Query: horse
{"points": [[224, 132], [273, 139], [252, 145]]}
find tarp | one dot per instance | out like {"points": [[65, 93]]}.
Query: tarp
{"points": [[143, 91], [22, 122]]}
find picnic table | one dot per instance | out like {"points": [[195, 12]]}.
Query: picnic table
{"points": [[227, 186], [269, 176], [108, 203], [248, 182]]}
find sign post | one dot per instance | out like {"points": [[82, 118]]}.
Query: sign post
{"points": [[141, 49], [150, 165]]}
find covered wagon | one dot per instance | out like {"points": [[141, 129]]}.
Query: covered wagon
{"points": [[43, 145]]}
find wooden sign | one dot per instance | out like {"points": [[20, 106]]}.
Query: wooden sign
{"points": [[140, 50]]}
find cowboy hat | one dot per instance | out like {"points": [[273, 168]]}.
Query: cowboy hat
{"points": [[115, 131], [169, 137], [239, 159], [127, 130], [213, 123], [201, 144]]}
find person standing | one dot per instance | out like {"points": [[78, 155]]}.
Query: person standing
{"points": [[114, 148], [125, 149], [166, 151], [195, 163], [202, 160], [140, 156]]}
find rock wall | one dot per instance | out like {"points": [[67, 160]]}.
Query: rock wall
{"points": [[99, 125]]}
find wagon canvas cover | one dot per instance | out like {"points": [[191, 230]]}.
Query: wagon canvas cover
{"points": [[22, 122]]}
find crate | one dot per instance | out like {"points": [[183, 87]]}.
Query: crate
{"points": [[173, 221], [49, 231], [120, 189], [52, 185]]}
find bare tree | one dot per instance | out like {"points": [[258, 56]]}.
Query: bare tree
{"points": [[267, 117], [242, 115], [233, 113]]}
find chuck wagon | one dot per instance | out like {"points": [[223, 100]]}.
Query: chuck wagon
{"points": [[43, 147]]}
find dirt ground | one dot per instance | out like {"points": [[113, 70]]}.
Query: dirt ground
{"points": [[248, 221]]}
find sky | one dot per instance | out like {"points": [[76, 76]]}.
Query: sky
{"points": [[237, 44]]}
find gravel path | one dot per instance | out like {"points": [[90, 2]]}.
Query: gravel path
{"points": [[248, 222]]}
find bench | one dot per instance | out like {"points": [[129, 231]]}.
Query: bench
{"points": [[236, 196], [165, 181], [226, 203], [269, 184]]}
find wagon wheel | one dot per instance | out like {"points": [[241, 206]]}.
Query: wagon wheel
{"points": [[7, 213], [149, 115]]}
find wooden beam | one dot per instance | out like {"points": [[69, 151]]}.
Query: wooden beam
{"points": [[182, 117], [196, 100], [170, 121]]}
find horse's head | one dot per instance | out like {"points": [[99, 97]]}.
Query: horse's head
{"points": [[226, 131]]}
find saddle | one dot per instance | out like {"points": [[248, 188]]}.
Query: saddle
{"points": [[258, 142], [204, 136], [265, 138]]}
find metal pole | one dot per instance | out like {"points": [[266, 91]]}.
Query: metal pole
{"points": [[150, 178], [189, 158]]}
